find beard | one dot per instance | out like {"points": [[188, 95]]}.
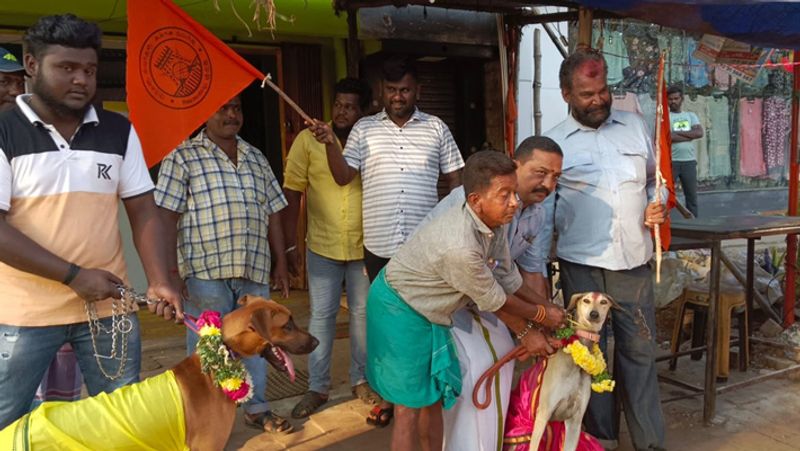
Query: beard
{"points": [[42, 90], [593, 117]]}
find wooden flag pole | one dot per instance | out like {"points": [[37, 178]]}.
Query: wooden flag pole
{"points": [[268, 81], [659, 178]]}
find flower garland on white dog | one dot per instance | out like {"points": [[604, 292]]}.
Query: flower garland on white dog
{"points": [[230, 374], [592, 362]]}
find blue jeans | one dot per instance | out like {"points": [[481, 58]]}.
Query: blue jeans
{"points": [[222, 295], [325, 277], [634, 331], [26, 352]]}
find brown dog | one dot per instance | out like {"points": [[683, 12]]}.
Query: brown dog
{"points": [[258, 327]]}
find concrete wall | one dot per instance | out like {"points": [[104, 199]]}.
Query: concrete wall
{"points": [[136, 275]]}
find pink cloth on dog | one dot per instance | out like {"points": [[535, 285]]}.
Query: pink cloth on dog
{"points": [[519, 419]]}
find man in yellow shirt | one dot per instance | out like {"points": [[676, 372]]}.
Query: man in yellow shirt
{"points": [[335, 247]]}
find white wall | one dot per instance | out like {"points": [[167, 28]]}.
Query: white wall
{"points": [[136, 275], [554, 110]]}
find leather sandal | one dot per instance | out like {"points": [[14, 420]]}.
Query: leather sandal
{"points": [[268, 422], [309, 404], [366, 394]]}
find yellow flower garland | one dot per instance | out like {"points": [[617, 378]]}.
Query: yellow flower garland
{"points": [[209, 330], [593, 363]]}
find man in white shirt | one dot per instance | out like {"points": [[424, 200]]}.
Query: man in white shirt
{"points": [[603, 210]]}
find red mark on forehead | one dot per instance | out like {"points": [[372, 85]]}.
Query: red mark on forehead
{"points": [[595, 296], [591, 69]]}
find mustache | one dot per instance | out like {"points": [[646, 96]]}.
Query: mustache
{"points": [[541, 190], [231, 123], [604, 107]]}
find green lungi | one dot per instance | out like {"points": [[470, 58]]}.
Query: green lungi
{"points": [[410, 361]]}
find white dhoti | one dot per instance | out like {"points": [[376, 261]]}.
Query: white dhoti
{"points": [[481, 339]]}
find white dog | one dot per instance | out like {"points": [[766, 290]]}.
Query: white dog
{"points": [[565, 387]]}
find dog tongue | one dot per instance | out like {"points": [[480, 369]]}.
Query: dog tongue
{"points": [[287, 361]]}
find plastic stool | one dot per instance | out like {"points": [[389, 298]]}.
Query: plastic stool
{"points": [[731, 302]]}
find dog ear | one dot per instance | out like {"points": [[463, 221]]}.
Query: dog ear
{"points": [[614, 304], [244, 300], [246, 330], [573, 301], [260, 320]]}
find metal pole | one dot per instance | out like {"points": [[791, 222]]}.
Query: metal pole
{"points": [[537, 82], [710, 386]]}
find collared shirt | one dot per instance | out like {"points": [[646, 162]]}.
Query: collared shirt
{"points": [[528, 252], [399, 168], [63, 193], [224, 223], [334, 212], [608, 177], [451, 260]]}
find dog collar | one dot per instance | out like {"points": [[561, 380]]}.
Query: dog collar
{"points": [[595, 338]]}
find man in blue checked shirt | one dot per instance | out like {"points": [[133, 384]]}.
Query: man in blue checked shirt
{"points": [[221, 200]]}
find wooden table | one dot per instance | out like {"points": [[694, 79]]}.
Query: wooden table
{"points": [[709, 233]]}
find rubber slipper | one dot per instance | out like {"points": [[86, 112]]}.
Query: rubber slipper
{"points": [[309, 404], [268, 422]]}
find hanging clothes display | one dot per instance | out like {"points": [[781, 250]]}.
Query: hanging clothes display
{"points": [[751, 152], [648, 106], [614, 51], [677, 56], [762, 79], [697, 73], [719, 138], [699, 106], [722, 79], [626, 102], [775, 131], [676, 69]]}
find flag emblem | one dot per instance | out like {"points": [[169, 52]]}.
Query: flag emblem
{"points": [[175, 68]]}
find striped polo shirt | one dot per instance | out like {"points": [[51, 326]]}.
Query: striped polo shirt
{"points": [[64, 195], [399, 168]]}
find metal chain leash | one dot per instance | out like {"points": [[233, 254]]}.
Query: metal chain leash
{"points": [[121, 325]]}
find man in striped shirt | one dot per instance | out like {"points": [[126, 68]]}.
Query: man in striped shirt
{"points": [[399, 153], [64, 167]]}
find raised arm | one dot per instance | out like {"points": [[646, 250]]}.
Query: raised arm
{"points": [[341, 171]]}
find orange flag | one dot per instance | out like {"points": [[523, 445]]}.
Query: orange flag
{"points": [[663, 146], [178, 75]]}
